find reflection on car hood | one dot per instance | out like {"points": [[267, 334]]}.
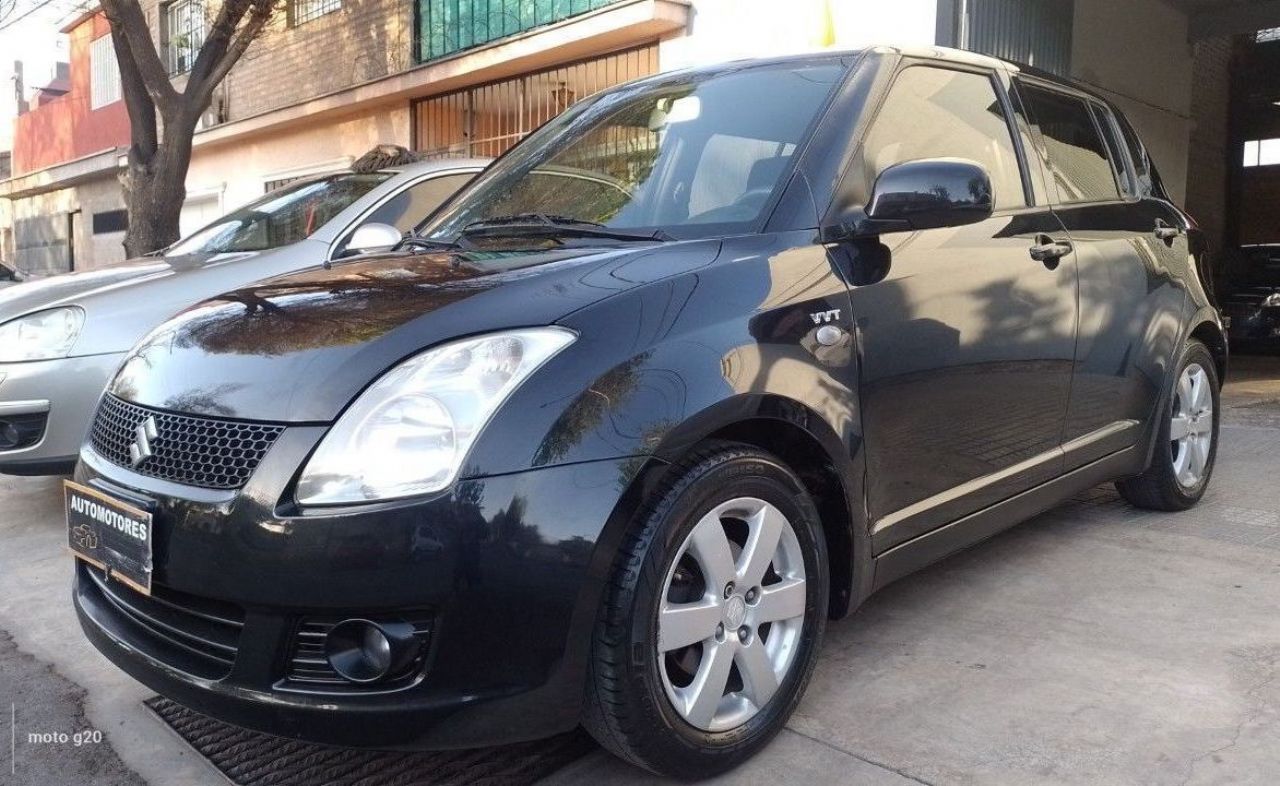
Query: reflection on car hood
{"points": [[298, 348], [65, 289]]}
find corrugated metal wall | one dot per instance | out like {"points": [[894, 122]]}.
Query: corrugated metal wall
{"points": [[1034, 32]]}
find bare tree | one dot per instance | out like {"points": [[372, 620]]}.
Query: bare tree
{"points": [[162, 119]]}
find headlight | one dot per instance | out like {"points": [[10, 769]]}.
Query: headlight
{"points": [[40, 336], [1272, 300], [410, 431]]}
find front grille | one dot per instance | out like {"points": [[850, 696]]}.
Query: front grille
{"points": [[211, 453], [309, 668], [195, 634]]}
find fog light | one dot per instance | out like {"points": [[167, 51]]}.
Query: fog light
{"points": [[364, 651], [9, 435]]}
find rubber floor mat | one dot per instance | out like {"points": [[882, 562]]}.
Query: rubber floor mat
{"points": [[248, 758]]}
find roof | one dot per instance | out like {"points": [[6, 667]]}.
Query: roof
{"points": [[440, 164], [940, 53], [77, 19]]}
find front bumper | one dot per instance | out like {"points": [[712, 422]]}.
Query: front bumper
{"points": [[66, 391], [505, 568]]}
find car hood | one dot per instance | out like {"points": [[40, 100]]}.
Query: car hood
{"points": [[298, 348], [69, 288]]}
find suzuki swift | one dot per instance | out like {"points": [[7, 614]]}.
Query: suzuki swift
{"points": [[694, 369]]}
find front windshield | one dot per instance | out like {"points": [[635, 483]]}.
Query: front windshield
{"points": [[691, 155], [284, 216]]}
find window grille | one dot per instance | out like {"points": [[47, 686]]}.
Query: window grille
{"points": [[185, 30]]}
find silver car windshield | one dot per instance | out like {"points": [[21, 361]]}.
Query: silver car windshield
{"points": [[690, 155], [284, 216]]}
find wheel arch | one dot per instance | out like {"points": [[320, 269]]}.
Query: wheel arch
{"points": [[804, 455], [811, 448], [1209, 331]]}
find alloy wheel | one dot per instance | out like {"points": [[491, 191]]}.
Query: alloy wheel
{"points": [[1191, 430], [732, 613]]}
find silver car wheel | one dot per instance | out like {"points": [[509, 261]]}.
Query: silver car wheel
{"points": [[1191, 431], [731, 615]]}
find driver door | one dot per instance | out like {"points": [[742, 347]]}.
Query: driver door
{"points": [[967, 342]]}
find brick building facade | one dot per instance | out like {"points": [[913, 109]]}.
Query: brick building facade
{"points": [[332, 78]]}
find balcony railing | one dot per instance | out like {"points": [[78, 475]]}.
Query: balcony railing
{"points": [[448, 26]]}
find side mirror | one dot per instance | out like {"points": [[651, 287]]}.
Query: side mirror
{"points": [[374, 237], [932, 193], [925, 194]]}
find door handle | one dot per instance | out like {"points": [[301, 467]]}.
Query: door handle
{"points": [[1166, 232], [1049, 251]]}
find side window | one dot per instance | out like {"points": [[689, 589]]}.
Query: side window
{"points": [[410, 207], [1078, 156], [939, 113]]}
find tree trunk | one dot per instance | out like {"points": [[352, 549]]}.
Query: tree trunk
{"points": [[155, 180], [155, 188]]}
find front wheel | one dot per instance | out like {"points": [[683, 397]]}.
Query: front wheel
{"points": [[1187, 442], [712, 620]]}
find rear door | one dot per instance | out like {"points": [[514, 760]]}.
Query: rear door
{"points": [[1126, 246], [966, 343]]}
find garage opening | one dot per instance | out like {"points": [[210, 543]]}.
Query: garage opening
{"points": [[486, 120]]}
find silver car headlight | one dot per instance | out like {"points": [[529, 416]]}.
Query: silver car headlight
{"points": [[43, 335], [1272, 300], [410, 431]]}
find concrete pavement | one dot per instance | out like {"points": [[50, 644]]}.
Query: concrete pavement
{"points": [[1094, 644], [36, 612]]}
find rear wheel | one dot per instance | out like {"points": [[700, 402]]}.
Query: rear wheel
{"points": [[712, 620], [1187, 443]]}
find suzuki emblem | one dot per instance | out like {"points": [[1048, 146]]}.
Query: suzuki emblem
{"points": [[140, 450]]}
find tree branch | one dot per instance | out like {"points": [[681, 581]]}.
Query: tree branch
{"points": [[129, 27], [143, 132], [225, 44], [218, 38]]}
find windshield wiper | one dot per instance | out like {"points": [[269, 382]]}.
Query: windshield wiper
{"points": [[552, 226], [426, 244]]}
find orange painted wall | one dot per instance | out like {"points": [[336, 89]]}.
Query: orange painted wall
{"points": [[67, 128]]}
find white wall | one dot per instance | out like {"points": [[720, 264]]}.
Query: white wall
{"points": [[1137, 53], [238, 170], [730, 29], [97, 196]]}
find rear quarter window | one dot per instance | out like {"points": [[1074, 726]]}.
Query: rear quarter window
{"points": [[1106, 124], [1144, 171]]}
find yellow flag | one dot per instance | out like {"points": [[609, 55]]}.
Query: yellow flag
{"points": [[827, 36]]}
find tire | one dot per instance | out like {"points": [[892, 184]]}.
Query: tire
{"points": [[1160, 487], [632, 689]]}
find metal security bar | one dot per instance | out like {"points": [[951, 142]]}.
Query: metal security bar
{"points": [[448, 26], [486, 120], [184, 33], [301, 11]]}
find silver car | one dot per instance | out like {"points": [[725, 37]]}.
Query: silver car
{"points": [[62, 337]]}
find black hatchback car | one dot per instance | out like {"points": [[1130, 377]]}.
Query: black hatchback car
{"points": [[611, 447], [1252, 305]]}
